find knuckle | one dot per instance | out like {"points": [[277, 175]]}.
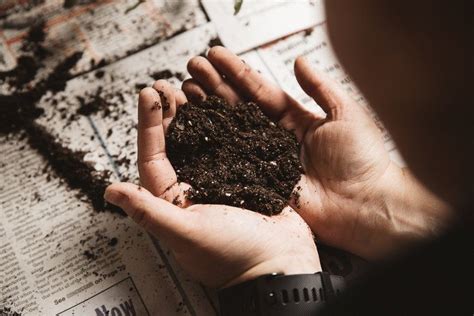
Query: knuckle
{"points": [[260, 93], [140, 216], [122, 199], [243, 72]]}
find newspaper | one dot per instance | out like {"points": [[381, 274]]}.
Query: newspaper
{"points": [[261, 21]]}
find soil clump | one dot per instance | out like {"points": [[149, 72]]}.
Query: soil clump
{"points": [[233, 155]]}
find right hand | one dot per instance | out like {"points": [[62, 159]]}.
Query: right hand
{"points": [[351, 195]]}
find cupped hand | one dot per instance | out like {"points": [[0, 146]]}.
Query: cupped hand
{"points": [[218, 245], [351, 194]]}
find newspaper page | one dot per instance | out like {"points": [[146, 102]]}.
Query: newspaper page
{"points": [[60, 257], [261, 21], [112, 94], [104, 30]]}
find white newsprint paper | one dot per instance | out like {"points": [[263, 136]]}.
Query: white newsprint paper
{"points": [[261, 21]]}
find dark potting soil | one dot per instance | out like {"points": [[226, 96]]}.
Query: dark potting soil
{"points": [[7, 311], [233, 155], [30, 62], [70, 165], [94, 105], [19, 110], [19, 107]]}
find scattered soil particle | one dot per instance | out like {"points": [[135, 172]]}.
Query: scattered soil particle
{"points": [[216, 41], [7, 311], [113, 242], [99, 74], [67, 4], [177, 201], [164, 101], [156, 106], [96, 104], [233, 155], [308, 32], [296, 196], [90, 255], [140, 86], [166, 74]]}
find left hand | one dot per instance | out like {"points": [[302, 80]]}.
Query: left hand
{"points": [[218, 245], [351, 194]]}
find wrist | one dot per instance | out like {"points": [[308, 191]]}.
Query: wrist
{"points": [[286, 265], [404, 211]]}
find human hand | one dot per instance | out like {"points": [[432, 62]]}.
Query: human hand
{"points": [[352, 195], [216, 244]]}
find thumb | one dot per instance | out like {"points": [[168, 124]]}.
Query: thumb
{"points": [[327, 94], [156, 215]]}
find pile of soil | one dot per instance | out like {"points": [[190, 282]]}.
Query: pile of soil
{"points": [[71, 167], [18, 111], [233, 155]]}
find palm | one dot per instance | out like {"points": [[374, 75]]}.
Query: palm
{"points": [[229, 242], [342, 159]]}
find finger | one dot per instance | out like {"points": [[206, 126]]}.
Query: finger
{"points": [[252, 85], [193, 91], [211, 80], [156, 172], [168, 101], [327, 94], [180, 98], [154, 214]]}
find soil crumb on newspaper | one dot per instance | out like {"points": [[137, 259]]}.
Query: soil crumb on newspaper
{"points": [[233, 155], [7, 311]]}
